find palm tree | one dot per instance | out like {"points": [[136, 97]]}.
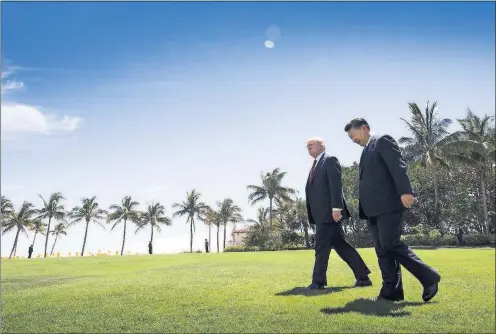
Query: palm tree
{"points": [[154, 216], [261, 222], [59, 230], [271, 188], [88, 211], [228, 212], [6, 208], [474, 146], [124, 212], [192, 208], [52, 210], [21, 220], [37, 227], [427, 144], [209, 217]]}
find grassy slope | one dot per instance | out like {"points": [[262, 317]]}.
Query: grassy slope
{"points": [[239, 292]]}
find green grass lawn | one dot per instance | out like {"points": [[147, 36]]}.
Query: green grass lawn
{"points": [[240, 292]]}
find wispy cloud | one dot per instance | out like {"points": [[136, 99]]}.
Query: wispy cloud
{"points": [[19, 118]]}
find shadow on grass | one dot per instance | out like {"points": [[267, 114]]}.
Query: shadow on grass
{"points": [[303, 291], [373, 307], [23, 283]]}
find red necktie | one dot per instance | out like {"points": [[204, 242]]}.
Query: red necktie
{"points": [[311, 171]]}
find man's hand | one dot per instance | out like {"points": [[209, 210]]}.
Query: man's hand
{"points": [[336, 214], [407, 200]]}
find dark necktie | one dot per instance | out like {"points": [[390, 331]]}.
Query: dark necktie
{"points": [[312, 170]]}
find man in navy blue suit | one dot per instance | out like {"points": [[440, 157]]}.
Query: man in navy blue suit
{"points": [[384, 195]]}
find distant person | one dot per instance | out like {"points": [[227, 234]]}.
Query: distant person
{"points": [[150, 248], [326, 209], [30, 251], [384, 195], [206, 246]]}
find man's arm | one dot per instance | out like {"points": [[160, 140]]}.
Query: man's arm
{"points": [[391, 154], [333, 169], [310, 218]]}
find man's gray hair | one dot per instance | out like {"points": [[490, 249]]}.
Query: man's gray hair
{"points": [[317, 140]]}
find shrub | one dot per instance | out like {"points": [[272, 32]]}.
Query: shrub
{"points": [[434, 239], [242, 249]]}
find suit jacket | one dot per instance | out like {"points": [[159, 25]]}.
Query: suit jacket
{"points": [[383, 178], [324, 191]]}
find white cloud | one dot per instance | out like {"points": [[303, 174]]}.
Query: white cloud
{"points": [[20, 118], [11, 85]]}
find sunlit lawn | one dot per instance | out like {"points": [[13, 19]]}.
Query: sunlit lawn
{"points": [[239, 292]]}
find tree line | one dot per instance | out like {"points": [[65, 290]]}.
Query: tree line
{"points": [[452, 175]]}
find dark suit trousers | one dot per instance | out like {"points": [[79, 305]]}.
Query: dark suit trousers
{"points": [[391, 252], [330, 235]]}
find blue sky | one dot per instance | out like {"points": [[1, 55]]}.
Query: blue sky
{"points": [[156, 99]]}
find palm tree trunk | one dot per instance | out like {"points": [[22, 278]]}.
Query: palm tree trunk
{"points": [[85, 236], [15, 243], [225, 234], [54, 244], [270, 213], [218, 230], [484, 203], [124, 236], [209, 235], [191, 238], [46, 239], [34, 239], [151, 237]]}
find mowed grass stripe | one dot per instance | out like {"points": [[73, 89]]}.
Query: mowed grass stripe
{"points": [[240, 292]]}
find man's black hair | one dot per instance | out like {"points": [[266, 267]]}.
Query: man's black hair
{"points": [[356, 123]]}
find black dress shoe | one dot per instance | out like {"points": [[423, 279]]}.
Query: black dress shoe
{"points": [[363, 283], [399, 296], [314, 286], [429, 292]]}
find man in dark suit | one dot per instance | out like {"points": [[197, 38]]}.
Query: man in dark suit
{"points": [[326, 209], [384, 195]]}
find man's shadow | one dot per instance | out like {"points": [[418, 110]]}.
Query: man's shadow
{"points": [[303, 291], [378, 308]]}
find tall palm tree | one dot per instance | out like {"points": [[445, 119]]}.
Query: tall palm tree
{"points": [[6, 208], [21, 220], [192, 208], [122, 213], [426, 146], [154, 216], [52, 209], [37, 226], [272, 189], [475, 146], [209, 217], [87, 212], [228, 213], [59, 230]]}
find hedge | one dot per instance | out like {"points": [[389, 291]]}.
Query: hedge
{"points": [[434, 239]]}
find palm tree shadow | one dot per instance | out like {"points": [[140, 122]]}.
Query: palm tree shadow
{"points": [[378, 308], [303, 291]]}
